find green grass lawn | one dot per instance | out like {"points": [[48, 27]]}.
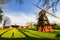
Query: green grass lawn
{"points": [[28, 34]]}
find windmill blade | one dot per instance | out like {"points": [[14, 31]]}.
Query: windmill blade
{"points": [[47, 6], [37, 6], [37, 13], [45, 10], [52, 14]]}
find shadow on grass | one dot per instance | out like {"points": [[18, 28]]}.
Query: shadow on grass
{"points": [[31, 32], [26, 38], [3, 33], [32, 29], [13, 35], [58, 35], [32, 38]]}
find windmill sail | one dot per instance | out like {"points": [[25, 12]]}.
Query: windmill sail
{"points": [[52, 15], [37, 6], [46, 11]]}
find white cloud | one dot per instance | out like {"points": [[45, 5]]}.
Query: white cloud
{"points": [[20, 18], [53, 19]]}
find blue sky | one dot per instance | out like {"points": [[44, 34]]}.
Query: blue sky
{"points": [[26, 7], [23, 14]]}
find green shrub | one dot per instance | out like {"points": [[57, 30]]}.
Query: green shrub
{"points": [[56, 27]]}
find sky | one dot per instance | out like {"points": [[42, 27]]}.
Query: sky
{"points": [[21, 14]]}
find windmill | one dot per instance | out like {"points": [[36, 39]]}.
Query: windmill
{"points": [[43, 22]]}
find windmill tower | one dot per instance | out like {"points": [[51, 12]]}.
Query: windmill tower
{"points": [[43, 22]]}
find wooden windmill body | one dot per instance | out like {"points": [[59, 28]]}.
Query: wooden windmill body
{"points": [[43, 22]]}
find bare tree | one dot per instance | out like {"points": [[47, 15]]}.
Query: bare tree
{"points": [[4, 1], [7, 1], [52, 4], [1, 11], [1, 15], [6, 21]]}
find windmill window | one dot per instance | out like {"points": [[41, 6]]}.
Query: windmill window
{"points": [[45, 22], [44, 18]]}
